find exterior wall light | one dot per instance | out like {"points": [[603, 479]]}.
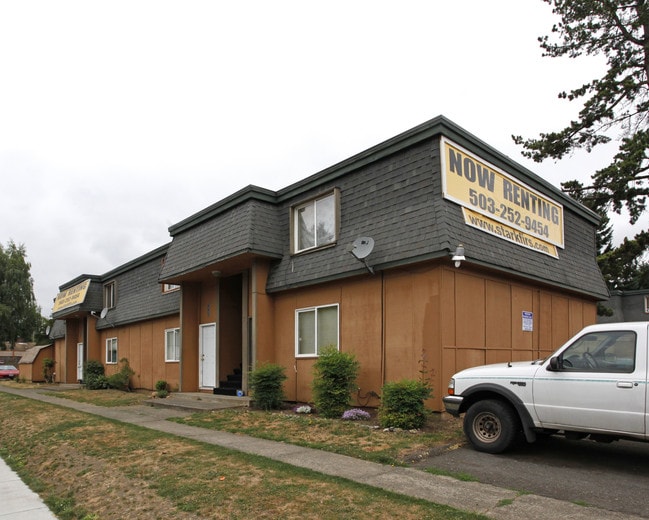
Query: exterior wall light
{"points": [[458, 256]]}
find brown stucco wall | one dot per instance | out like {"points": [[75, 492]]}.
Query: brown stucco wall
{"points": [[428, 321], [190, 319], [59, 360], [143, 344]]}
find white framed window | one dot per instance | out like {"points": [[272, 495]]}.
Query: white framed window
{"points": [[109, 295], [170, 287], [111, 351], [172, 345], [646, 304], [315, 329], [315, 223]]}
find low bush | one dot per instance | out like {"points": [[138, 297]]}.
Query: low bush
{"points": [[266, 383], [334, 381], [93, 376], [48, 370], [161, 389], [121, 380], [402, 404]]}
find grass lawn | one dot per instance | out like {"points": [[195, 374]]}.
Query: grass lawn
{"points": [[87, 467], [360, 439]]}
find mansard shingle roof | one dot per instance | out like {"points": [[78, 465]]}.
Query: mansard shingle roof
{"points": [[393, 193], [246, 222]]}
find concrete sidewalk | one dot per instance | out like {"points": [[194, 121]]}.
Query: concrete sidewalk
{"points": [[18, 501], [488, 500]]}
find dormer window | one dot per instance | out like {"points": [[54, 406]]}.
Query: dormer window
{"points": [[315, 223], [109, 295]]}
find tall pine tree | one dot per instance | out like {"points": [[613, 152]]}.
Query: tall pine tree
{"points": [[615, 104]]}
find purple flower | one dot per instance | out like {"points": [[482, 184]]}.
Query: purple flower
{"points": [[355, 414]]}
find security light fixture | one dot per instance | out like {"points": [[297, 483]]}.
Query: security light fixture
{"points": [[458, 256]]}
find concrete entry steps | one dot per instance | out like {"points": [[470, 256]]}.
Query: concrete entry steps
{"points": [[198, 401]]}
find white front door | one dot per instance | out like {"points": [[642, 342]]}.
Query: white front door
{"points": [[80, 361], [207, 356]]}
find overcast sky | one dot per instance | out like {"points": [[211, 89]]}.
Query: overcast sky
{"points": [[121, 118]]}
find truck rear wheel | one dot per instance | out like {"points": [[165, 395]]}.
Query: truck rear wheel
{"points": [[491, 425]]}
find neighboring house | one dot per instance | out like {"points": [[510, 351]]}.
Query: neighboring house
{"points": [[361, 256], [627, 306], [11, 357]]}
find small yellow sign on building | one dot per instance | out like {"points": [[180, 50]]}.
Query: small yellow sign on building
{"points": [[72, 296]]}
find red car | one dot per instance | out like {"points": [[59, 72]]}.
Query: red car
{"points": [[8, 372]]}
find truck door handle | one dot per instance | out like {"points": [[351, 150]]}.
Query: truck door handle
{"points": [[626, 384]]}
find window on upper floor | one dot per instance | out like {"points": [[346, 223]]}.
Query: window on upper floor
{"points": [[109, 295], [172, 345], [315, 222], [170, 287], [315, 329], [646, 304], [111, 351]]}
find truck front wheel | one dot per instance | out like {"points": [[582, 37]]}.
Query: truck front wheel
{"points": [[491, 425]]}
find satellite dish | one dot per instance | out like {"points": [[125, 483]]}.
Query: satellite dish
{"points": [[47, 330], [362, 247], [103, 313]]}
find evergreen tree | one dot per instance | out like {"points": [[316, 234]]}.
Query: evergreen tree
{"points": [[618, 101], [20, 317]]}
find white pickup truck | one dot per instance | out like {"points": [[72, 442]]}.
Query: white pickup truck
{"points": [[595, 385]]}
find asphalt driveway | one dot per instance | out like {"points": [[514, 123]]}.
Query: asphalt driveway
{"points": [[612, 476]]}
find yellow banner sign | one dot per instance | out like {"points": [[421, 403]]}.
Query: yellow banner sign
{"points": [[487, 190], [497, 229], [72, 296]]}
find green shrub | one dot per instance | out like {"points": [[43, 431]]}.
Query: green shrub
{"points": [[334, 381], [161, 389], [402, 404], [266, 383], [121, 380], [93, 376], [48, 370]]}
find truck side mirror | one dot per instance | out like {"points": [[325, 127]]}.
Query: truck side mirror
{"points": [[554, 364]]}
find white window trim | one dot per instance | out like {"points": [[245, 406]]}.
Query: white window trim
{"points": [[170, 287], [167, 359], [110, 340], [297, 328], [112, 303], [294, 221]]}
